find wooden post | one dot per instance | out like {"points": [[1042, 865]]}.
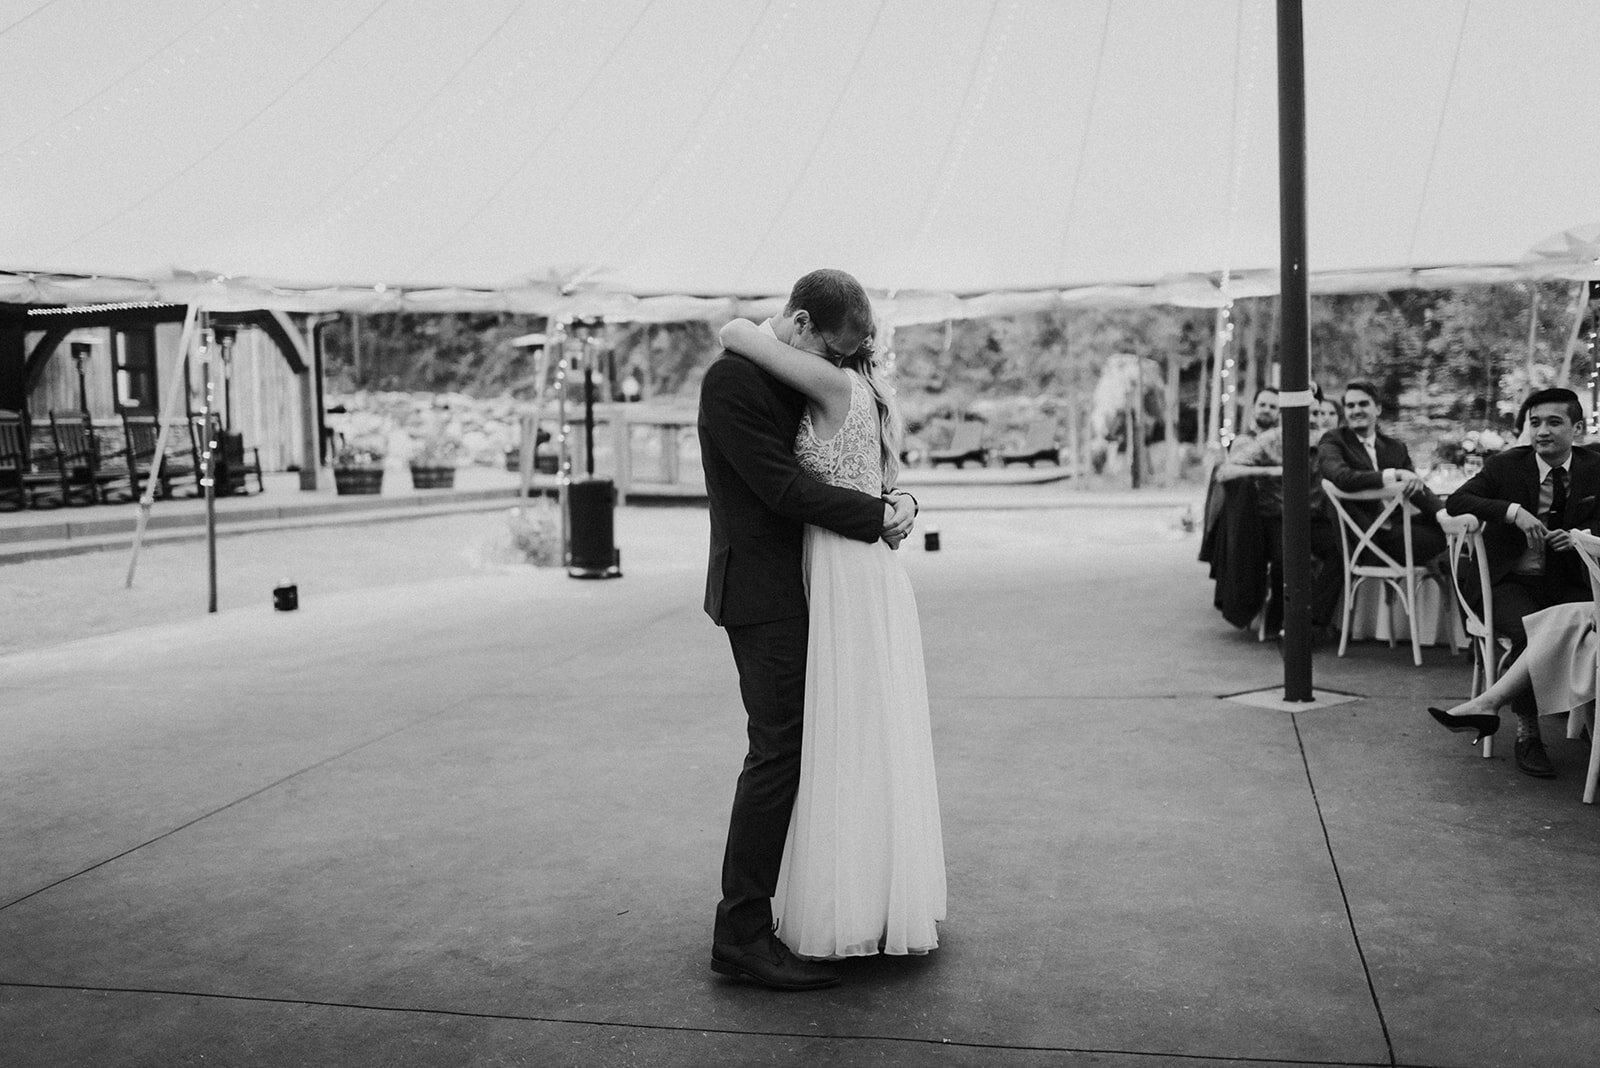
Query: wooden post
{"points": [[622, 448], [355, 348], [1074, 439], [1135, 424], [1174, 452], [1580, 306], [1533, 328]]}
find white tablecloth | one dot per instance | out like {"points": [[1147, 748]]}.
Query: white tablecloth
{"points": [[1439, 621]]}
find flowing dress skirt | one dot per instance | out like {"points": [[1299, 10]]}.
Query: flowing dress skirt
{"points": [[863, 869], [1560, 655]]}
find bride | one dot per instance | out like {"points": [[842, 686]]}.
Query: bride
{"points": [[863, 867]]}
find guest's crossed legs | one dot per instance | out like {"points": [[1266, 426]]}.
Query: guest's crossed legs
{"points": [[771, 658], [1516, 596]]}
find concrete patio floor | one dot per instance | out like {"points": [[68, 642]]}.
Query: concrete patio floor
{"points": [[479, 822]]}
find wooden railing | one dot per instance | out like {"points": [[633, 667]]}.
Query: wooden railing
{"points": [[639, 446]]}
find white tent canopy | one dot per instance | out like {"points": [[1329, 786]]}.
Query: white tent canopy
{"points": [[636, 157]]}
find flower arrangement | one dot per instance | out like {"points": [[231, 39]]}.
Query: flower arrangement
{"points": [[366, 451], [536, 533], [439, 449], [1457, 448]]}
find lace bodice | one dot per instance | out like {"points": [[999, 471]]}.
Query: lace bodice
{"points": [[851, 458]]}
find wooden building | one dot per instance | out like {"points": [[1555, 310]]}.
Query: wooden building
{"points": [[115, 359]]}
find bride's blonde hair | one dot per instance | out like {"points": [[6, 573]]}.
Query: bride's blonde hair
{"points": [[872, 366]]}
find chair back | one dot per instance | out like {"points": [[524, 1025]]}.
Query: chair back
{"points": [[1588, 546], [13, 442], [968, 437], [1356, 534], [74, 440], [1464, 538], [141, 433]]}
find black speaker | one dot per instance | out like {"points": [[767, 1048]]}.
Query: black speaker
{"points": [[592, 551]]}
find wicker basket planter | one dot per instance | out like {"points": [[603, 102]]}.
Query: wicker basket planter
{"points": [[367, 480], [432, 477]]}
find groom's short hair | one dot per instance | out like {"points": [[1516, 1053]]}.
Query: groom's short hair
{"points": [[834, 300]]}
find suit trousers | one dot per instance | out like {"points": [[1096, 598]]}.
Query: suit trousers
{"points": [[1516, 596], [771, 658]]}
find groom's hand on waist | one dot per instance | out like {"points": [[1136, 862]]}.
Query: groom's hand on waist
{"points": [[899, 513]]}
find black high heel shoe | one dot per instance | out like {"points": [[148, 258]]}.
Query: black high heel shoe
{"points": [[1485, 725]]}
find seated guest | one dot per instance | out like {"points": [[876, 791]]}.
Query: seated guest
{"points": [[1325, 415], [1555, 673], [1263, 417], [1261, 458], [1528, 498], [1357, 457]]}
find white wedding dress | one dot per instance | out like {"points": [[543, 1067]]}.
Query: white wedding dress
{"points": [[863, 869]]}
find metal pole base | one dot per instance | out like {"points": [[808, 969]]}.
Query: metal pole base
{"points": [[592, 571]]}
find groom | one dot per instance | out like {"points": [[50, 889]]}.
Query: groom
{"points": [[760, 501]]}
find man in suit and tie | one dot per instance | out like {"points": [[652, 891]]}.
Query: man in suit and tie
{"points": [[1528, 498], [760, 501], [1357, 456]]}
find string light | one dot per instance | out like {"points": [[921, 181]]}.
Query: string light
{"points": [[1594, 385], [80, 309], [566, 427], [1243, 115], [155, 71], [207, 479], [1225, 339]]}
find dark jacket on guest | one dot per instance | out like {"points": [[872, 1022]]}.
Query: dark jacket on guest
{"points": [[1234, 545], [1343, 460], [1512, 477]]}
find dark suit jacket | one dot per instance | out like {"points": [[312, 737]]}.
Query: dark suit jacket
{"points": [[1512, 477], [1235, 547], [760, 497], [1343, 460]]}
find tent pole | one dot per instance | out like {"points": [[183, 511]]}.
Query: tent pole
{"points": [[168, 403], [1294, 350]]}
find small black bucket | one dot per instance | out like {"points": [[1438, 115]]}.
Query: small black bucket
{"points": [[286, 598]]}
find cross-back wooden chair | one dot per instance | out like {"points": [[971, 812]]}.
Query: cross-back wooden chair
{"points": [[1490, 651], [1588, 547], [1365, 561]]}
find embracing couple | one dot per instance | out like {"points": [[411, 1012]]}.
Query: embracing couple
{"points": [[834, 846]]}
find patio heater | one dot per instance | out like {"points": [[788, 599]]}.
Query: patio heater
{"points": [[80, 356], [231, 443], [591, 501]]}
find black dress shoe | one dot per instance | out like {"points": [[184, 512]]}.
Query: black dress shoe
{"points": [[769, 962], [1485, 725], [1531, 759]]}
